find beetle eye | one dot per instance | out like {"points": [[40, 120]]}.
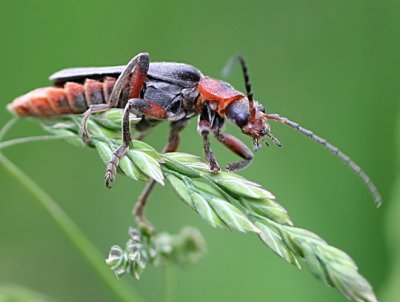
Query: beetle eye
{"points": [[238, 113], [241, 119]]}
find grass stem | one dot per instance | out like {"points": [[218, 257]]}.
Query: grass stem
{"points": [[68, 227]]}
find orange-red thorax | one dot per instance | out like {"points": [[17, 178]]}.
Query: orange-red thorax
{"points": [[218, 94]]}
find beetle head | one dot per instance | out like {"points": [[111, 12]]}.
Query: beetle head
{"points": [[255, 126], [246, 113]]}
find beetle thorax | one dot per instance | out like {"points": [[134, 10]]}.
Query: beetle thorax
{"points": [[218, 94]]}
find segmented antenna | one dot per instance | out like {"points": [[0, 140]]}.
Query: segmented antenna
{"points": [[333, 149], [227, 70]]}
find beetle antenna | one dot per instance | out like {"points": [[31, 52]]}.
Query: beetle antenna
{"points": [[333, 149], [227, 70]]}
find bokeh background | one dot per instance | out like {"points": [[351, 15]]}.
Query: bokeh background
{"points": [[333, 66]]}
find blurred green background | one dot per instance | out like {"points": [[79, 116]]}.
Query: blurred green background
{"points": [[332, 66]]}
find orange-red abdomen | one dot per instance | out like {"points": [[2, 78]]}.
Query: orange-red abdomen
{"points": [[72, 98], [218, 94], [40, 102]]}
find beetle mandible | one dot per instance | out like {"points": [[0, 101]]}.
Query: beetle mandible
{"points": [[160, 91]]}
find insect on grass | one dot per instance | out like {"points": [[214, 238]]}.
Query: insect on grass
{"points": [[165, 91]]}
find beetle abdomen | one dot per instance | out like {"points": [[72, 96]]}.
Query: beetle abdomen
{"points": [[71, 98]]}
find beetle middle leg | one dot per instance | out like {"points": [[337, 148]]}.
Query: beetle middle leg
{"points": [[139, 107], [204, 129], [232, 143], [172, 145]]}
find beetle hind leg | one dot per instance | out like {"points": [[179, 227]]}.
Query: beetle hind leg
{"points": [[133, 77], [134, 74], [86, 116], [121, 150]]}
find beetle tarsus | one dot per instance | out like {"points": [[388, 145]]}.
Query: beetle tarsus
{"points": [[86, 116], [121, 150], [232, 167], [113, 164], [214, 167], [209, 155], [84, 128]]}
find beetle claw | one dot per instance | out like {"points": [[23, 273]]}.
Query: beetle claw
{"points": [[256, 144], [109, 179]]}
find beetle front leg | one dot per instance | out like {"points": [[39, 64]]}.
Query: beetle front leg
{"points": [[204, 129], [232, 143], [236, 146], [137, 106]]}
